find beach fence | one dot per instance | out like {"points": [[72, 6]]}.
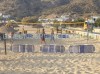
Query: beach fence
{"points": [[90, 35], [38, 36], [53, 48], [22, 48]]}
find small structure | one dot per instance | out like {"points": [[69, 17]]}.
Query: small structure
{"points": [[9, 31], [5, 29], [38, 26], [52, 48], [22, 48], [81, 49]]}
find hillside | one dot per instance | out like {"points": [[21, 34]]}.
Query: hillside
{"points": [[23, 8], [20, 8], [76, 6]]}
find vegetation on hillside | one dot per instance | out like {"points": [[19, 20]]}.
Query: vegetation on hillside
{"points": [[97, 23], [25, 8], [32, 19], [79, 20]]}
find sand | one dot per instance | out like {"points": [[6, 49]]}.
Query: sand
{"points": [[50, 63], [39, 63]]}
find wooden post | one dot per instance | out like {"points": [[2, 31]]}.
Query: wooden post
{"points": [[5, 45], [87, 35]]}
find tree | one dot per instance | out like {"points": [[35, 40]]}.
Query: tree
{"points": [[18, 19], [79, 20], [56, 25], [1, 17], [9, 23], [97, 23], [26, 20]]}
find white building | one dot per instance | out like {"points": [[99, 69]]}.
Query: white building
{"points": [[0, 14], [5, 16], [95, 17], [65, 17]]}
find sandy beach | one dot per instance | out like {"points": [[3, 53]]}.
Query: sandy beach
{"points": [[39, 63], [50, 63]]}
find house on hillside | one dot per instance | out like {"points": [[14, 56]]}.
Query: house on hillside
{"points": [[55, 17], [48, 18], [92, 19], [6, 16], [95, 17], [0, 14]]}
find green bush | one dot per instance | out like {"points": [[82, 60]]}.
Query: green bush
{"points": [[32, 19], [97, 23], [79, 20]]}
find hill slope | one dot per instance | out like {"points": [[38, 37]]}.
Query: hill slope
{"points": [[22, 8], [77, 6]]}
